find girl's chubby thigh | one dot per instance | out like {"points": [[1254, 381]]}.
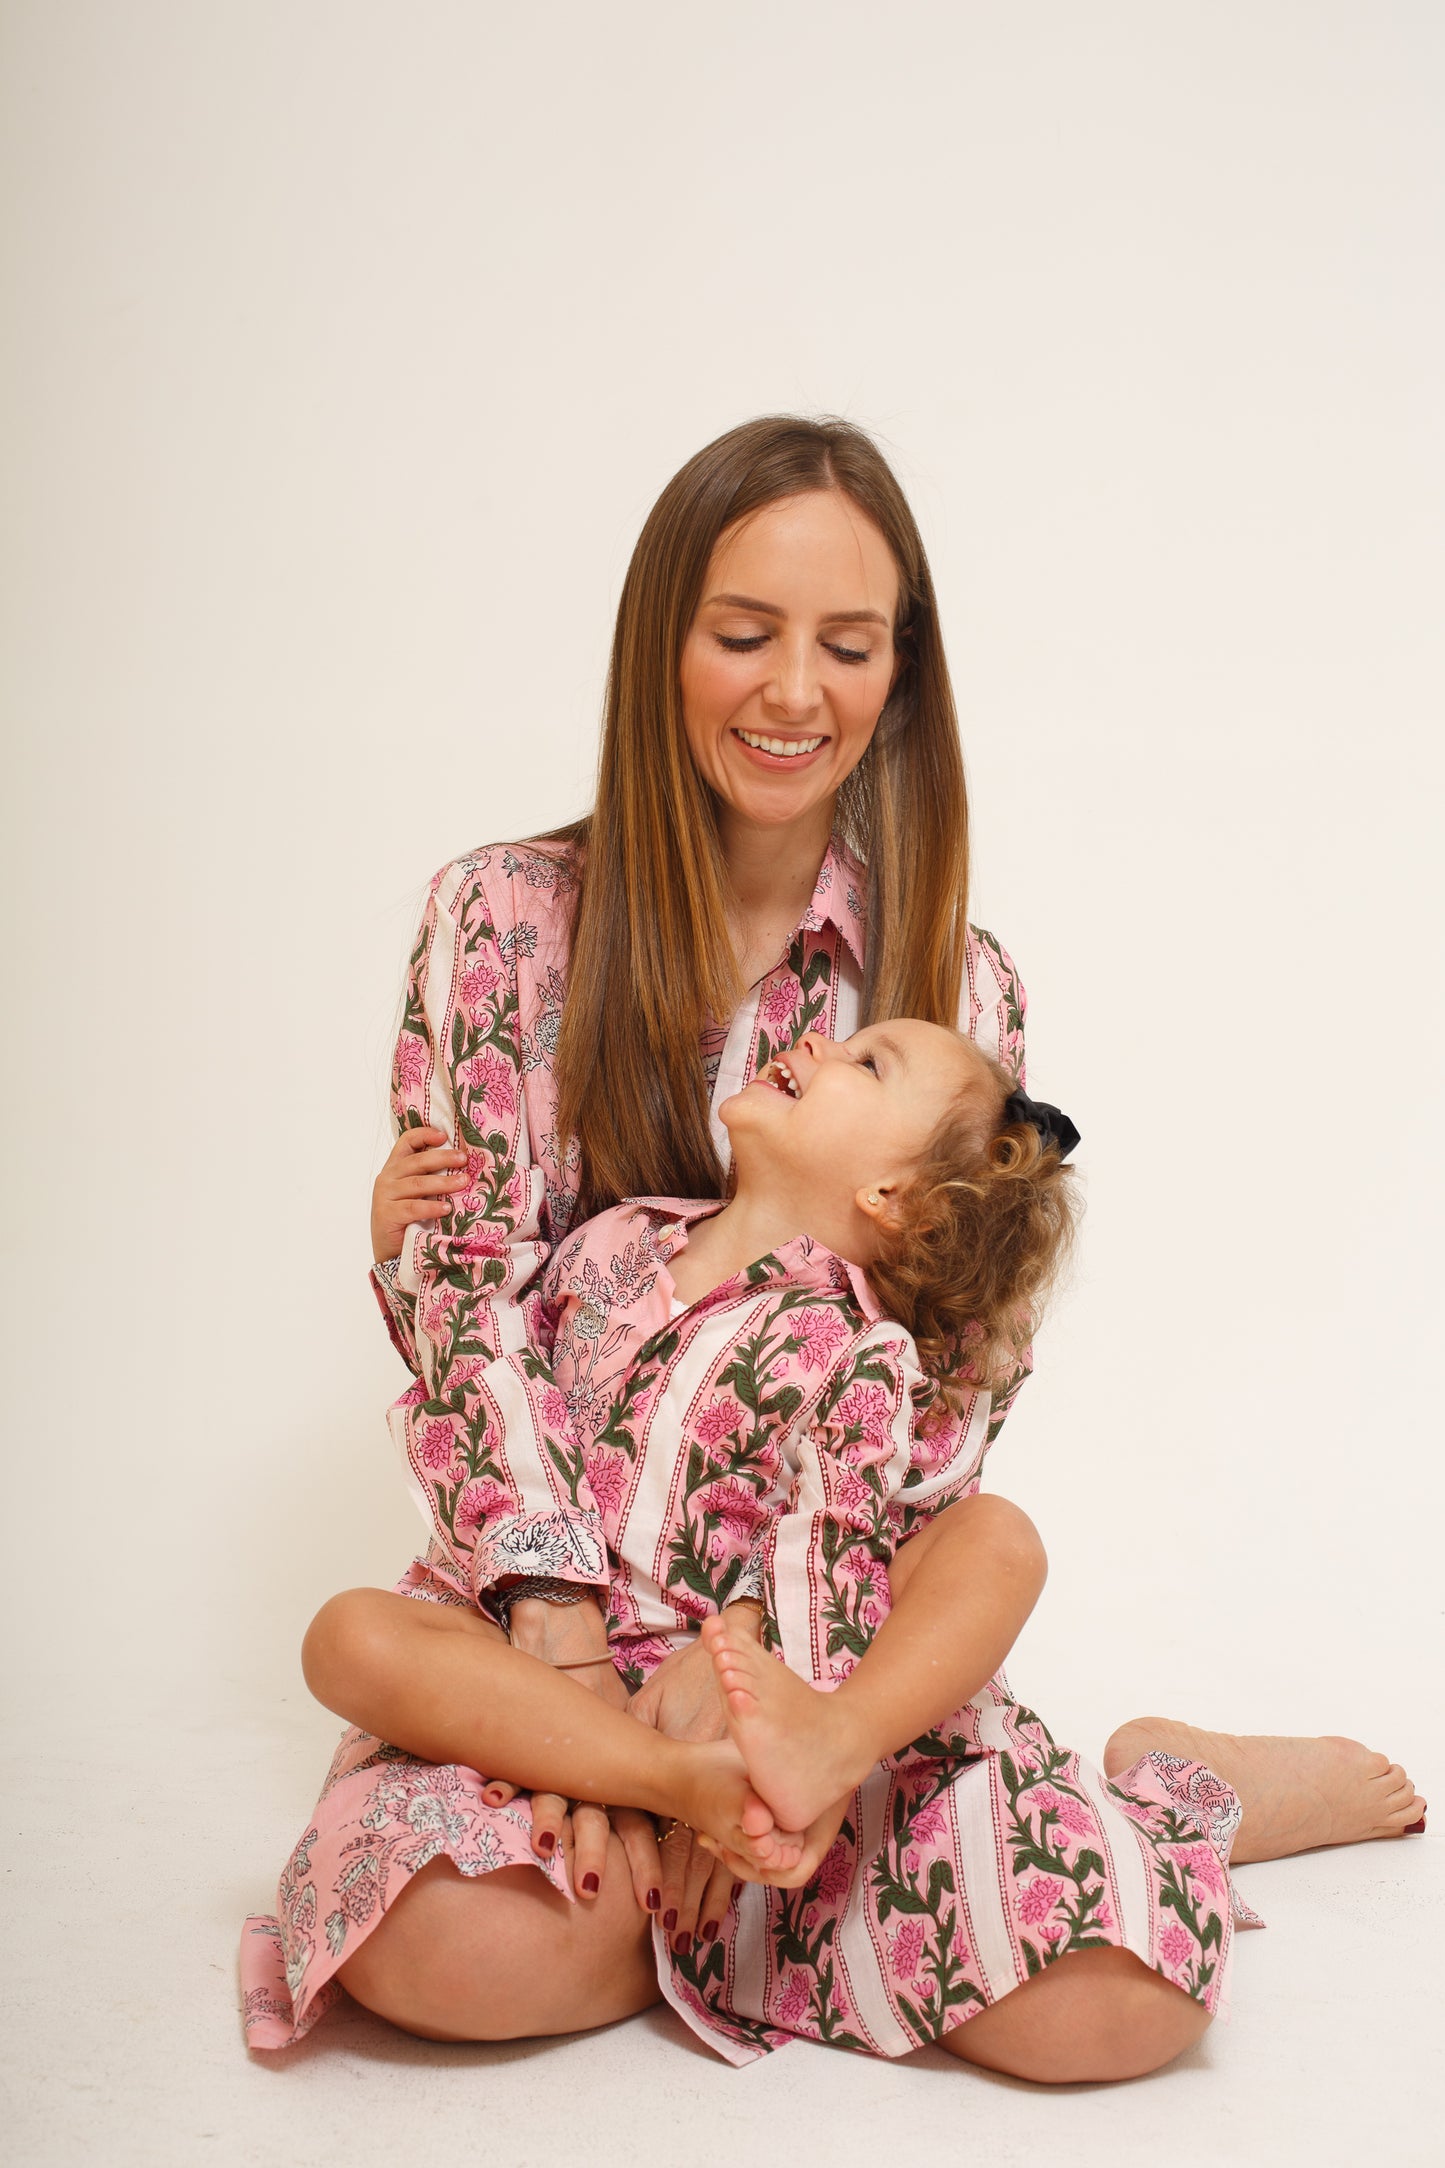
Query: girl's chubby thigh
{"points": [[1095, 2015], [504, 1956]]}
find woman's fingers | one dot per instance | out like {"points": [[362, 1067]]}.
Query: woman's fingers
{"points": [[638, 1832], [549, 1815], [591, 1831], [686, 1872], [716, 1897]]}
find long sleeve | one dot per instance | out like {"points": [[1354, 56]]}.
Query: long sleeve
{"points": [[866, 1473], [484, 1434]]}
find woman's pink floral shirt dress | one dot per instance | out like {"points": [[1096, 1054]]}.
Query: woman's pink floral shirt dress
{"points": [[769, 1439]]}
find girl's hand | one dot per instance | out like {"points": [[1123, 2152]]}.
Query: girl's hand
{"points": [[415, 1184]]}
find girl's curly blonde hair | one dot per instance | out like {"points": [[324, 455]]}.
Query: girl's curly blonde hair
{"points": [[975, 1239]]}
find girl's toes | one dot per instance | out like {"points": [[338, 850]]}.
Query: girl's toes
{"points": [[756, 1816]]}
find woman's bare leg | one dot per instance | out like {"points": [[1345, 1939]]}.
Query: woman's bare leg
{"points": [[503, 1956], [961, 1595], [1297, 1794], [1093, 2015]]}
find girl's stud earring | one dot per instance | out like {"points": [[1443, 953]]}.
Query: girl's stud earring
{"points": [[873, 1196]]}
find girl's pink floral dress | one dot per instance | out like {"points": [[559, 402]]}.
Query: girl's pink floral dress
{"points": [[768, 1439]]}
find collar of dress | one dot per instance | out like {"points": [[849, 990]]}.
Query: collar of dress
{"points": [[839, 898], [802, 1262]]}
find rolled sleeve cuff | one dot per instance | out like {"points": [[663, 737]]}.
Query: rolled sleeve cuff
{"points": [[397, 1310], [566, 1546]]}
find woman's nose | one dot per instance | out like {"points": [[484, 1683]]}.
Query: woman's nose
{"points": [[793, 691]]}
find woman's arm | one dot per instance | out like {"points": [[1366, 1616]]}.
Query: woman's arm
{"points": [[484, 1434]]}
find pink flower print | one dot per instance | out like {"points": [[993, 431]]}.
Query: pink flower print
{"points": [[1076, 1818], [929, 1821], [607, 1474], [835, 1873], [1202, 1862], [905, 1951], [410, 1063], [779, 1003], [866, 1408], [1104, 1920], [493, 1080], [554, 1408], [477, 983], [793, 2002], [1046, 1799], [734, 1505], [437, 1440], [819, 1334], [480, 1499], [1053, 1933], [718, 1421], [1038, 1898], [959, 1950], [1176, 1946]]}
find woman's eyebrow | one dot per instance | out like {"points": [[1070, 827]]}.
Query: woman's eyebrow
{"points": [[829, 617]]}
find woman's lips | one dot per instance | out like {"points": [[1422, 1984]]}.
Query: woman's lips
{"points": [[776, 761]]}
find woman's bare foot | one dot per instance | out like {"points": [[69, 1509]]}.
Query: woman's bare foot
{"points": [[1297, 1794], [794, 1740]]}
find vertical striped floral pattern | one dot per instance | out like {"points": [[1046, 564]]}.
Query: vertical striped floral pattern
{"points": [[768, 1439]]}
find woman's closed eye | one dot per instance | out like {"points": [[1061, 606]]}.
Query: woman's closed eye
{"points": [[756, 639]]}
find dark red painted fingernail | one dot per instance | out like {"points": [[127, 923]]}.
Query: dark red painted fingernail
{"points": [[654, 1899], [1415, 1829], [709, 1930], [547, 1842], [591, 1883], [669, 1918], [683, 1944]]}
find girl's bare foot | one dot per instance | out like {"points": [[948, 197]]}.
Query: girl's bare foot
{"points": [[722, 1804], [1297, 1794], [794, 1740]]}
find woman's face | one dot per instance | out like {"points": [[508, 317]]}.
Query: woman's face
{"points": [[790, 658]]}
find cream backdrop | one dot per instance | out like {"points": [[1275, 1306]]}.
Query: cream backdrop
{"points": [[347, 346]]}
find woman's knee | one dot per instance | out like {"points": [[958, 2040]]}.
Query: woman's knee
{"points": [[1098, 2016]]}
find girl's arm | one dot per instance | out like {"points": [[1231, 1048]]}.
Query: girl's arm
{"points": [[484, 1434]]}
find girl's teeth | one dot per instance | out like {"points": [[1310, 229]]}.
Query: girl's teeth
{"points": [[789, 748]]}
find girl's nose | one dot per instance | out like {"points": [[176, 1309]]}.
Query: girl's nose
{"points": [[818, 1045]]}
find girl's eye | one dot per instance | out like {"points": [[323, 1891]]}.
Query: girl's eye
{"points": [[868, 1061]]}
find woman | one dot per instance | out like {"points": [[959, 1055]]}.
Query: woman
{"points": [[779, 844]]}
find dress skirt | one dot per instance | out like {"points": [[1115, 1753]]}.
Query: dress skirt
{"points": [[967, 1864]]}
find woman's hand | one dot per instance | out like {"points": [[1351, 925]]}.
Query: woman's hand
{"points": [[682, 1699], [415, 1184], [563, 1634]]}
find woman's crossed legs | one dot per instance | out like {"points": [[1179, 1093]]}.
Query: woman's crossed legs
{"points": [[505, 1957]]}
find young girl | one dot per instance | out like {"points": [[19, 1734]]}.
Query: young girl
{"points": [[759, 1401]]}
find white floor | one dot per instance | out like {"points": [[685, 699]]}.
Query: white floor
{"points": [[135, 1852]]}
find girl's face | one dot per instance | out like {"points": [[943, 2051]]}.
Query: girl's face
{"points": [[837, 1122], [790, 658]]}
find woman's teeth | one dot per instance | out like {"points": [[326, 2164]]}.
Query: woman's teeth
{"points": [[788, 748]]}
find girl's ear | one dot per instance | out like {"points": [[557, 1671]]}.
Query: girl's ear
{"points": [[874, 1201]]}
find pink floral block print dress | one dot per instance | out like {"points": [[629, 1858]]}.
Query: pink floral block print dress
{"points": [[768, 1439]]}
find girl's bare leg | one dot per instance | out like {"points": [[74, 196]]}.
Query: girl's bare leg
{"points": [[961, 1595], [1093, 2015], [504, 1956], [444, 1684]]}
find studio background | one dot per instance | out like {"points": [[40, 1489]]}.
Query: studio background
{"points": [[347, 347]]}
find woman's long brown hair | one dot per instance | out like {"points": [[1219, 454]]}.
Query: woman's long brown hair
{"points": [[651, 957]]}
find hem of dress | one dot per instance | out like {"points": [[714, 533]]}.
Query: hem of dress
{"points": [[266, 1996]]}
